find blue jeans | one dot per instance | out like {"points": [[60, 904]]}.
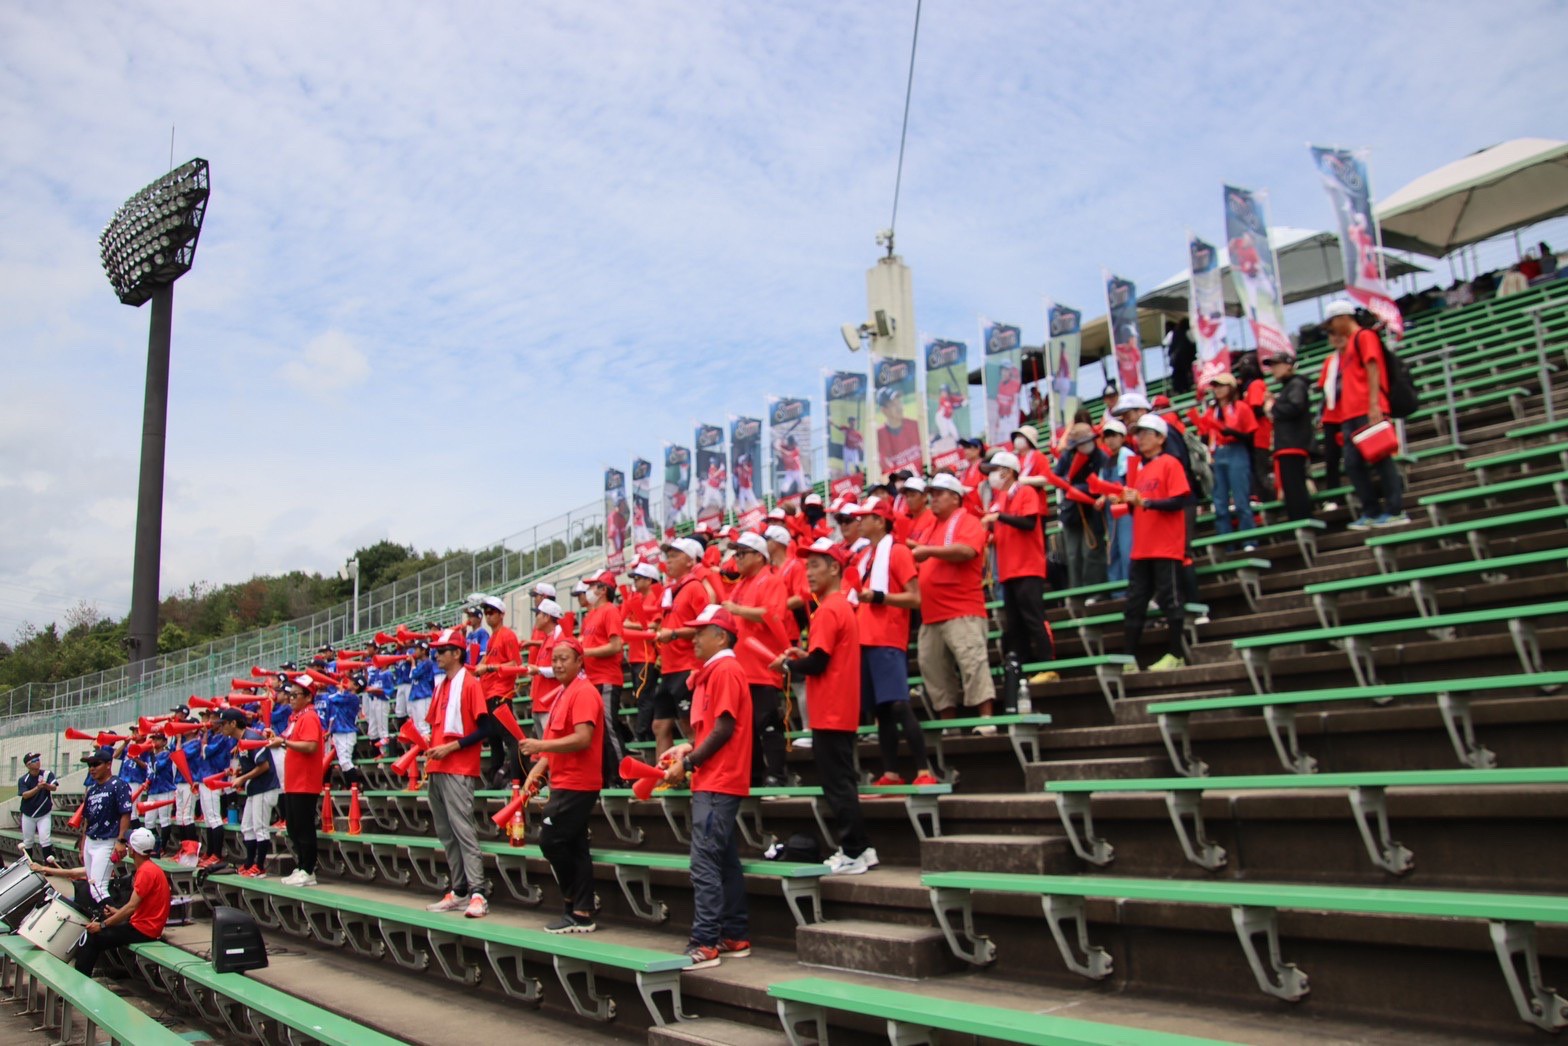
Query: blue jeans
{"points": [[1232, 479], [718, 887], [1360, 473], [1118, 534]]}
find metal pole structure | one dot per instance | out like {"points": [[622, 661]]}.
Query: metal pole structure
{"points": [[142, 633], [1546, 369], [356, 593], [1448, 391]]}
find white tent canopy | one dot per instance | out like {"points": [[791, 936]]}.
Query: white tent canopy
{"points": [[1494, 191]]}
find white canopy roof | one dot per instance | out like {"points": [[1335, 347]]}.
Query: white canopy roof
{"points": [[1494, 191]]}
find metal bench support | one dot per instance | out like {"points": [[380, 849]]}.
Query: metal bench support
{"points": [[1370, 806], [973, 948], [1175, 730], [1096, 963], [1461, 731], [1281, 720], [1195, 843], [1281, 979], [618, 812], [507, 966], [1074, 810], [1536, 1003], [794, 1014]]}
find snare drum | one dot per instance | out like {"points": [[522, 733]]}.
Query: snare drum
{"points": [[56, 927], [21, 890]]}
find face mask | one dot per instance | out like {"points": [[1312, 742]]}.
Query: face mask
{"points": [[592, 596], [1020, 444], [995, 479]]}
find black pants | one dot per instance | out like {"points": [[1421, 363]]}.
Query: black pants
{"points": [[767, 735], [834, 753], [1159, 578], [1293, 485], [645, 680], [504, 762], [563, 840], [895, 716], [1332, 454], [299, 816], [106, 940], [1262, 474], [1024, 633]]}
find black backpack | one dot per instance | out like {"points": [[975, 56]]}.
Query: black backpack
{"points": [[1403, 400]]}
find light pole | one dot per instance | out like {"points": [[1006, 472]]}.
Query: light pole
{"points": [[148, 244], [351, 570]]}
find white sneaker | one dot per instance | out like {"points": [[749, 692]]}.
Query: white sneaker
{"points": [[294, 878], [309, 880], [1330, 506], [869, 857], [802, 742], [1201, 619], [852, 866], [985, 731], [835, 861]]}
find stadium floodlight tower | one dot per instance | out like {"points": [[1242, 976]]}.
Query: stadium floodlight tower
{"points": [[148, 244]]}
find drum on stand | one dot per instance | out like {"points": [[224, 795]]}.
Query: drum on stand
{"points": [[21, 890], [55, 927]]}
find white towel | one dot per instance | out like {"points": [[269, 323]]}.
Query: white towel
{"points": [[454, 706], [1331, 382], [880, 559]]}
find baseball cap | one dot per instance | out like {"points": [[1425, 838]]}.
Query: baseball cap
{"points": [[1002, 459], [1339, 307], [549, 608], [581, 586], [1132, 401], [142, 840], [31, 757], [1161, 401], [1154, 423], [570, 643], [888, 393], [944, 481], [1112, 425], [471, 612], [1279, 356], [607, 579], [495, 603], [545, 589], [825, 547], [756, 542], [777, 513], [452, 637], [714, 614], [1227, 378], [687, 547], [877, 506], [232, 715], [916, 484], [813, 499], [99, 755], [970, 441], [647, 570], [777, 534], [1028, 432]]}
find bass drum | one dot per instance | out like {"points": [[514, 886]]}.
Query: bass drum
{"points": [[55, 927], [21, 890]]}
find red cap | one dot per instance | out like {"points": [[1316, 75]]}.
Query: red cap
{"points": [[1162, 401], [450, 638], [570, 643], [873, 506], [607, 579], [714, 614], [825, 547]]}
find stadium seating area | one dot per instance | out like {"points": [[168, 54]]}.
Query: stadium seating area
{"points": [[1362, 765]]}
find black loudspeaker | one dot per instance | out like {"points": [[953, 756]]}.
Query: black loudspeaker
{"points": [[236, 941]]}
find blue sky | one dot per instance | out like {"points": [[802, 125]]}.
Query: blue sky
{"points": [[477, 252]]}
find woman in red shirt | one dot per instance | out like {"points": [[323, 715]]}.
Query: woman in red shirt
{"points": [[1230, 426], [302, 777], [1158, 493]]}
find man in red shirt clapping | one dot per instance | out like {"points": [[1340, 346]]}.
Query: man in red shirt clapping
{"points": [[1158, 494], [757, 602], [953, 658], [1015, 520]]}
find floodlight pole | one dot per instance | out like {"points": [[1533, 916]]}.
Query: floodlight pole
{"points": [[142, 633]]}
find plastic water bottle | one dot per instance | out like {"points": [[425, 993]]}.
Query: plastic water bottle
{"points": [[1025, 703]]}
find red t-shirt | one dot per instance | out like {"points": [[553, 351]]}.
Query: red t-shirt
{"points": [[642, 613], [301, 772], [1257, 392], [471, 698], [1160, 534], [1360, 350], [974, 479], [880, 624], [602, 622], [1335, 414], [918, 526], [687, 598], [152, 886], [792, 575], [953, 590], [543, 688], [833, 697], [504, 649], [580, 771], [764, 590], [1235, 415], [1019, 553], [718, 687]]}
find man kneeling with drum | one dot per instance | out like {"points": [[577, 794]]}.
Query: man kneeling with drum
{"points": [[138, 920]]}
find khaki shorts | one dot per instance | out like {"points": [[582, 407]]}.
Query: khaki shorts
{"points": [[955, 664]]}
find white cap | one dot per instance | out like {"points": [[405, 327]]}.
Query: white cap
{"points": [[494, 603], [1132, 401], [777, 535], [689, 546], [1004, 459], [813, 499], [1112, 425], [545, 589], [647, 570], [916, 484], [1154, 423], [1339, 307], [756, 542], [944, 481], [142, 841], [582, 585], [777, 513], [549, 608]]}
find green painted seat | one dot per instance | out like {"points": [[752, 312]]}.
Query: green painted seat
{"points": [[61, 995]]}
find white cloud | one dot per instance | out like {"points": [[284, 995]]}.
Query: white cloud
{"points": [[330, 366]]}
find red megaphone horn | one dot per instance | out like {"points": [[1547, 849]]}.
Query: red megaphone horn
{"points": [[512, 671], [177, 757], [321, 677], [204, 702], [387, 660], [144, 809], [136, 751], [264, 714], [245, 699], [382, 639], [646, 777], [248, 684], [73, 734], [503, 816], [1100, 486], [251, 744], [217, 782], [141, 790], [352, 666], [150, 726], [257, 672], [174, 728], [76, 819], [356, 654]]}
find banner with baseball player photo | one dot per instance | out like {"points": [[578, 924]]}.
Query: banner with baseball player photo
{"points": [[789, 429], [711, 474], [845, 400], [645, 539], [895, 391], [677, 488], [617, 517], [1003, 380], [1360, 241], [1255, 270], [1208, 313], [745, 449], [1063, 348], [947, 400], [1121, 300]]}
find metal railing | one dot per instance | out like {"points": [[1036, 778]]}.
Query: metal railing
{"points": [[153, 686]]}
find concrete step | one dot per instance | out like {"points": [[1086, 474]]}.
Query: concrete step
{"points": [[1010, 854], [714, 1031], [1115, 768], [868, 946]]}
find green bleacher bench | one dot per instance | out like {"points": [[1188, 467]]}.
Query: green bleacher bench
{"points": [[58, 994], [916, 1017], [1514, 397], [247, 1005], [1417, 456], [1107, 669], [1248, 573], [1365, 790], [413, 936], [1254, 650], [1262, 508], [1545, 428], [1547, 452], [1021, 730], [920, 803], [1254, 909], [1092, 629], [400, 810], [1279, 715], [1325, 595], [1436, 503], [1304, 531], [1472, 531]]}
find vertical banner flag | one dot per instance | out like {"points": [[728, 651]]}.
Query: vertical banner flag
{"points": [[1208, 312], [1121, 298], [897, 394], [1360, 242], [677, 487], [947, 400], [710, 474], [643, 534], [1062, 350], [616, 518], [745, 449], [789, 426], [1003, 380], [1255, 270], [846, 409]]}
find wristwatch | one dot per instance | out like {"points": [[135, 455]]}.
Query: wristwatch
{"points": [[688, 764]]}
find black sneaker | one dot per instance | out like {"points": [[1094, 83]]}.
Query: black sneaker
{"points": [[572, 923]]}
